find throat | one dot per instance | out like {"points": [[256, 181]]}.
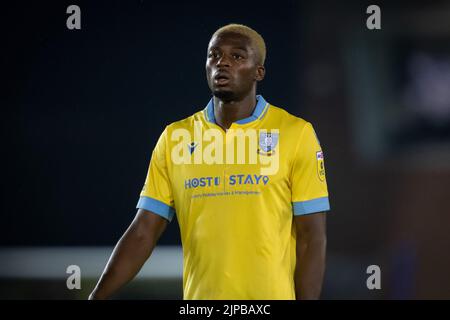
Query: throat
{"points": [[226, 113]]}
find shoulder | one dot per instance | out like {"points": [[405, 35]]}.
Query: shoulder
{"points": [[186, 124], [287, 121]]}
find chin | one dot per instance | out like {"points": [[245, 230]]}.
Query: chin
{"points": [[224, 95]]}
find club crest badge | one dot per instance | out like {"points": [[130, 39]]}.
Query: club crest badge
{"points": [[267, 143], [320, 165]]}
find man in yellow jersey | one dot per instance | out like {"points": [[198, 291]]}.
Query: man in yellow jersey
{"points": [[246, 181]]}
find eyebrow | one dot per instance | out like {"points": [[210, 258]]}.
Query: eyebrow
{"points": [[239, 48]]}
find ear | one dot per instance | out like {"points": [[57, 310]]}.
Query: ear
{"points": [[260, 73]]}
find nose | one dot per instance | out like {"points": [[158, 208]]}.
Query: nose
{"points": [[223, 61]]}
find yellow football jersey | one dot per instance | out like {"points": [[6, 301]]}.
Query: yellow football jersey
{"points": [[235, 193]]}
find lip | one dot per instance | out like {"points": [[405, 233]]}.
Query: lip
{"points": [[221, 78], [221, 82]]}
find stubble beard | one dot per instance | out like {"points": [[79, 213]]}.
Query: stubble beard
{"points": [[225, 96]]}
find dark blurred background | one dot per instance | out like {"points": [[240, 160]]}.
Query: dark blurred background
{"points": [[82, 110]]}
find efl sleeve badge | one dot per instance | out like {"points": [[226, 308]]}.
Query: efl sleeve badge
{"points": [[320, 165]]}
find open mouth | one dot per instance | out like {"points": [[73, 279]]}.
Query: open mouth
{"points": [[221, 79]]}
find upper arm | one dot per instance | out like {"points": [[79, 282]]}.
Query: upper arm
{"points": [[149, 225], [311, 226], [309, 186], [156, 195]]}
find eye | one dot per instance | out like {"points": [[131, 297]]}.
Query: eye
{"points": [[214, 55], [237, 56]]}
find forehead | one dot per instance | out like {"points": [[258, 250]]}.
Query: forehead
{"points": [[230, 39]]}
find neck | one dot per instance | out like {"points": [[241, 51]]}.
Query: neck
{"points": [[231, 111]]}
